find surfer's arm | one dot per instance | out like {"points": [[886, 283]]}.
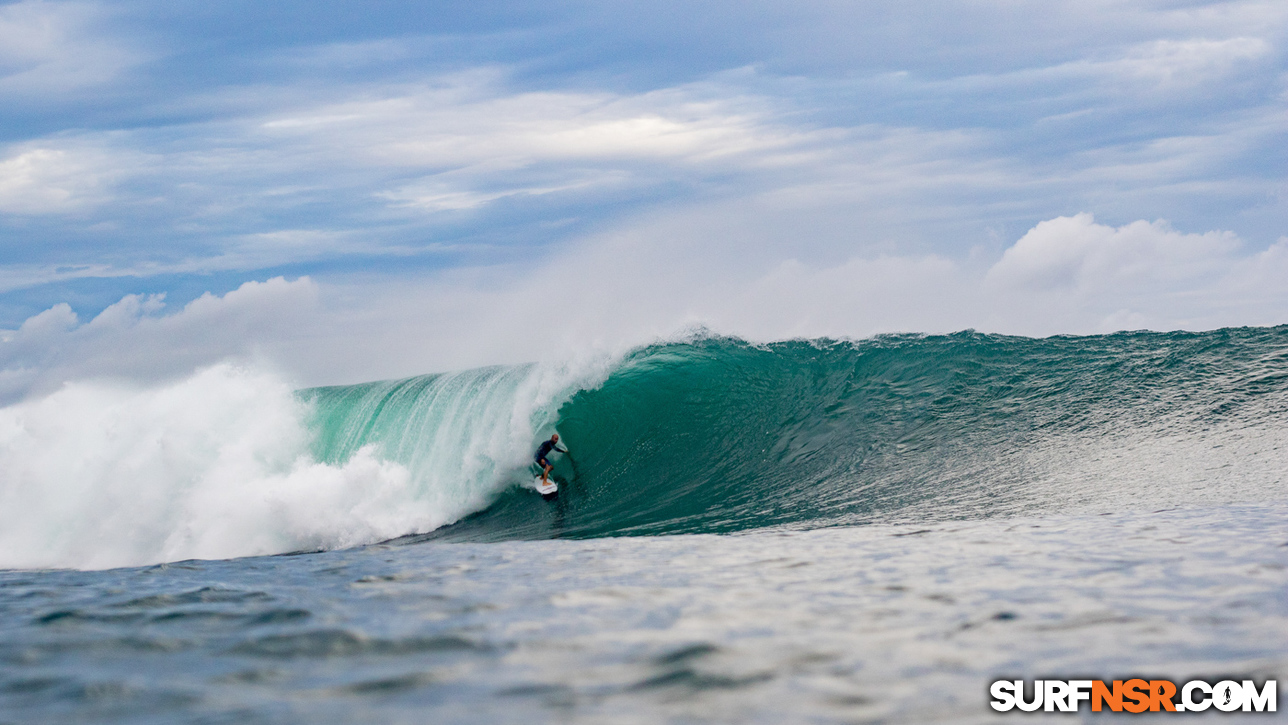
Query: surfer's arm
{"points": [[561, 450]]}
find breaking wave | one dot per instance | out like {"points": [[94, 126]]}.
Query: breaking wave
{"points": [[706, 435]]}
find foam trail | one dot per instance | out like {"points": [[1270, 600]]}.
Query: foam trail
{"points": [[222, 465]]}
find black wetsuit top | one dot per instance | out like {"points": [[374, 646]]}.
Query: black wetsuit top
{"points": [[545, 449]]}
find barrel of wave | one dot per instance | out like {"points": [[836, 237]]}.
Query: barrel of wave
{"points": [[465, 437]]}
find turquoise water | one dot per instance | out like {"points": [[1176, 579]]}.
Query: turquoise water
{"points": [[802, 531], [718, 435]]}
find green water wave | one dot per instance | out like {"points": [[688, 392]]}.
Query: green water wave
{"points": [[718, 435]]}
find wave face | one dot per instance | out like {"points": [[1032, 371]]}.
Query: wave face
{"points": [[718, 435]]}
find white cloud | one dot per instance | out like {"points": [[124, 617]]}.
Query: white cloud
{"points": [[56, 319], [52, 48], [467, 120], [1165, 65], [1076, 254], [613, 291], [467, 142], [1071, 274], [133, 339], [653, 280], [1189, 62], [455, 143], [817, 220], [42, 179], [371, 160]]}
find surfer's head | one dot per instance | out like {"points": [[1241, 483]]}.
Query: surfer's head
{"points": [[555, 437]]}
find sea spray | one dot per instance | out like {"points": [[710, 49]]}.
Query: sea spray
{"points": [[226, 463], [217, 465]]}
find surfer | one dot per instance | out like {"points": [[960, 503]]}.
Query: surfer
{"points": [[543, 451]]}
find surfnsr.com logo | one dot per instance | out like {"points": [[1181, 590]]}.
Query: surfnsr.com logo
{"points": [[1134, 696]]}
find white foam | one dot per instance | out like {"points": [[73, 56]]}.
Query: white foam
{"points": [[219, 465]]}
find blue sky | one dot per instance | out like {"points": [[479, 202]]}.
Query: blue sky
{"points": [[1030, 167]]}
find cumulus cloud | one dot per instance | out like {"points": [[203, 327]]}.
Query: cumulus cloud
{"points": [[1065, 275], [135, 338], [614, 291], [1077, 255], [1067, 272]]}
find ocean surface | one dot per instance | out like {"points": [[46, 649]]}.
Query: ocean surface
{"points": [[802, 531]]}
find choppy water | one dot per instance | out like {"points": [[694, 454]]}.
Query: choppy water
{"points": [[876, 623], [807, 531]]}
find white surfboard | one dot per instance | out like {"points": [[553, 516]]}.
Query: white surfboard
{"points": [[547, 490]]}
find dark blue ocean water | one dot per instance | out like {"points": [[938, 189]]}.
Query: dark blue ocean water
{"points": [[859, 624]]}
